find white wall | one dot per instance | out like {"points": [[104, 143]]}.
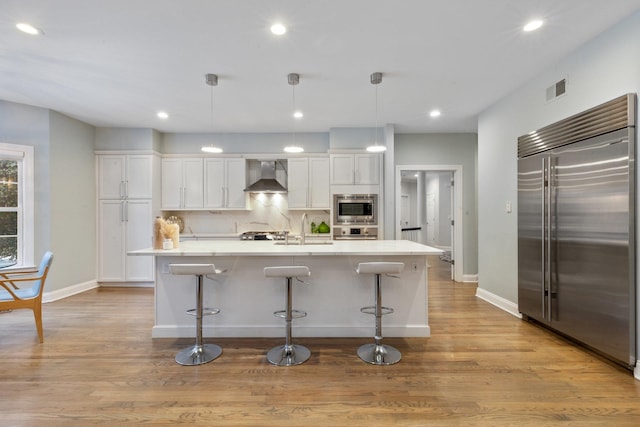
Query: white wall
{"points": [[604, 68]]}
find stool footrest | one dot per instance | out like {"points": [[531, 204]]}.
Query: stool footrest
{"points": [[372, 310], [206, 311], [295, 314]]}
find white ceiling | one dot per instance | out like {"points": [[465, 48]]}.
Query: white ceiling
{"points": [[117, 62]]}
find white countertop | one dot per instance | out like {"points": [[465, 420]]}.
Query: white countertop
{"points": [[270, 248]]}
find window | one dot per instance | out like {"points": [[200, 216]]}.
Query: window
{"points": [[16, 204]]}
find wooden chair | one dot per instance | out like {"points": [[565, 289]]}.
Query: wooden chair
{"points": [[12, 296]]}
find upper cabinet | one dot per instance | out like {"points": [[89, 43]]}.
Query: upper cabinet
{"points": [[355, 169], [182, 183], [308, 183], [125, 176], [224, 183]]}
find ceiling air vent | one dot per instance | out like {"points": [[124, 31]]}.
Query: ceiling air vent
{"points": [[557, 89]]}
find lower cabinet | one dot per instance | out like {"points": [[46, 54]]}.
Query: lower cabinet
{"points": [[125, 225]]}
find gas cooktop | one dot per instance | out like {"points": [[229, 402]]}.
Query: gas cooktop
{"points": [[262, 235]]}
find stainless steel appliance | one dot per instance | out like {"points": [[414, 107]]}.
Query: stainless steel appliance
{"points": [[355, 233], [576, 233], [355, 209]]}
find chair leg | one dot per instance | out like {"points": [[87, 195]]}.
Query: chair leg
{"points": [[37, 314]]}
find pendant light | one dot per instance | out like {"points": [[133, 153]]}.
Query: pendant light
{"points": [[293, 79], [376, 79], [211, 80]]}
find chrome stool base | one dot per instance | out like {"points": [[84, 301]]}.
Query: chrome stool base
{"points": [[291, 355], [379, 354], [198, 354]]}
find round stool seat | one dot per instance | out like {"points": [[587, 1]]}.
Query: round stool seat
{"points": [[287, 271], [380, 267], [192, 269]]}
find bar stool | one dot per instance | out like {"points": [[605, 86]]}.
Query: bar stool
{"points": [[378, 353], [198, 353], [288, 354]]}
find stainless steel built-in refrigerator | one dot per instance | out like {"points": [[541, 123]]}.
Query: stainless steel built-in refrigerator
{"points": [[576, 233]]}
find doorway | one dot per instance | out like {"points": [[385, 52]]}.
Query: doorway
{"points": [[429, 210]]}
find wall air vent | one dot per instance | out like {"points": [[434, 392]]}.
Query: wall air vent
{"points": [[557, 89]]}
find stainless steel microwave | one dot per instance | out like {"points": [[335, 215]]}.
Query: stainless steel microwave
{"points": [[355, 209]]}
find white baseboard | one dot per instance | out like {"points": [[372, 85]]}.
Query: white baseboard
{"points": [[470, 278], [69, 291], [499, 302], [127, 284]]}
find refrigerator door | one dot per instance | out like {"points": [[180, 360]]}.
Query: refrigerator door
{"points": [[591, 268], [531, 236]]}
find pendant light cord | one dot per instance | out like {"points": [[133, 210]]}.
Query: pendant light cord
{"points": [[376, 129], [293, 126]]}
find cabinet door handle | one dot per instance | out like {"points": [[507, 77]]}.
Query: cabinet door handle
{"points": [[126, 189], [126, 211]]}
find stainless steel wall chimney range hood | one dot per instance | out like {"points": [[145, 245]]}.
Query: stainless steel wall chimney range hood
{"points": [[267, 182]]}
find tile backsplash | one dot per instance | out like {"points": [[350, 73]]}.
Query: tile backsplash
{"points": [[268, 212]]}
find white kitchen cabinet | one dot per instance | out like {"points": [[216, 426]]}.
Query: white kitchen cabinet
{"points": [[125, 215], [224, 183], [308, 183], [124, 225], [182, 183], [355, 169], [125, 176]]}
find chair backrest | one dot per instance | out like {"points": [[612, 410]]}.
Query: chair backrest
{"points": [[43, 270]]}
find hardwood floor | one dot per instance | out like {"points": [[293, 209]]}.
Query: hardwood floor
{"points": [[481, 367]]}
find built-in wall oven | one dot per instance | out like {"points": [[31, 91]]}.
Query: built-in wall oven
{"points": [[355, 216]]}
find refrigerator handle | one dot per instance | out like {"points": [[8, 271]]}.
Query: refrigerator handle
{"points": [[544, 239], [549, 227]]}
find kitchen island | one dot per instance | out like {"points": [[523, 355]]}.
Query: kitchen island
{"points": [[332, 298]]}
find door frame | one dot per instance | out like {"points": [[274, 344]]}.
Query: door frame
{"points": [[457, 197]]}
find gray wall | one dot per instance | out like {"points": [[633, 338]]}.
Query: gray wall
{"points": [[604, 68], [448, 149], [73, 202]]}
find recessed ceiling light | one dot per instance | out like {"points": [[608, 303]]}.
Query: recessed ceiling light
{"points": [[298, 115], [163, 115], [278, 29], [29, 29], [533, 25], [435, 113]]}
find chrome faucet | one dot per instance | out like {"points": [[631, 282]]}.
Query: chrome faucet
{"points": [[302, 221]]}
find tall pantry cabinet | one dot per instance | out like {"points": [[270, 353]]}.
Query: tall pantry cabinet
{"points": [[127, 205]]}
